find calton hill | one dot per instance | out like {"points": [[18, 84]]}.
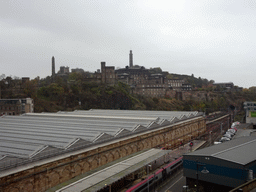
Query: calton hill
{"points": [[75, 92]]}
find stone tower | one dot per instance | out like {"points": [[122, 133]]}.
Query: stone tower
{"points": [[130, 59], [53, 68]]}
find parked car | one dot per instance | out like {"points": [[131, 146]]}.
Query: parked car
{"points": [[235, 124], [224, 139], [232, 130], [230, 133], [227, 135]]}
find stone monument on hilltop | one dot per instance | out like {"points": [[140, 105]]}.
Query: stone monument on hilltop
{"points": [[53, 68], [130, 59]]}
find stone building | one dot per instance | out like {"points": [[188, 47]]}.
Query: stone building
{"points": [[13, 87], [186, 87], [144, 82], [108, 74], [227, 85], [141, 80], [16, 106], [133, 75], [77, 70], [175, 84], [63, 70]]}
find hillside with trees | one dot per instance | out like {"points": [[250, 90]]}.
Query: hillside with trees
{"points": [[74, 92]]}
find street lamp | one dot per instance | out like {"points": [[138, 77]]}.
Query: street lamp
{"points": [[148, 175], [210, 133], [205, 171]]}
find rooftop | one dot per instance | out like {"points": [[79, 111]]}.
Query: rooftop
{"points": [[238, 150], [36, 135]]}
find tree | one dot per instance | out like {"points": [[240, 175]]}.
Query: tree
{"points": [[155, 70], [199, 82], [53, 92], [30, 88], [2, 77], [74, 76]]}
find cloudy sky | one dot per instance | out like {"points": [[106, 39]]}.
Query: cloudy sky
{"points": [[213, 39]]}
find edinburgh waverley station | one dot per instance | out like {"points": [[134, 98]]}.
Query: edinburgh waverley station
{"points": [[39, 151]]}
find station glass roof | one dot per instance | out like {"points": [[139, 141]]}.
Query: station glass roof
{"points": [[38, 134]]}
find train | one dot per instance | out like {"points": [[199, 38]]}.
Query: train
{"points": [[157, 177]]}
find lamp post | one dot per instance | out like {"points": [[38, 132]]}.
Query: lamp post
{"points": [[154, 182], [210, 133], [148, 175], [228, 122], [205, 171]]}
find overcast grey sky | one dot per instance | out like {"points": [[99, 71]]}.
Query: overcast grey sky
{"points": [[213, 39]]}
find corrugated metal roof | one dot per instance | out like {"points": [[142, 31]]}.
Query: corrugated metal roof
{"points": [[240, 150], [36, 135]]}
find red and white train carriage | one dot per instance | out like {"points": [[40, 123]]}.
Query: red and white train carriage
{"points": [[159, 175]]}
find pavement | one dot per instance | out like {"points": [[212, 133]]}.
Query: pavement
{"points": [[187, 148]]}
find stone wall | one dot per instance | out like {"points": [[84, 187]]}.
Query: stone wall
{"points": [[47, 175], [199, 95]]}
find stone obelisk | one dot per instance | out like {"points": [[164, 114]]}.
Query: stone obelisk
{"points": [[53, 68]]}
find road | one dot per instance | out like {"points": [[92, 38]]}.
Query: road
{"points": [[175, 184]]}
